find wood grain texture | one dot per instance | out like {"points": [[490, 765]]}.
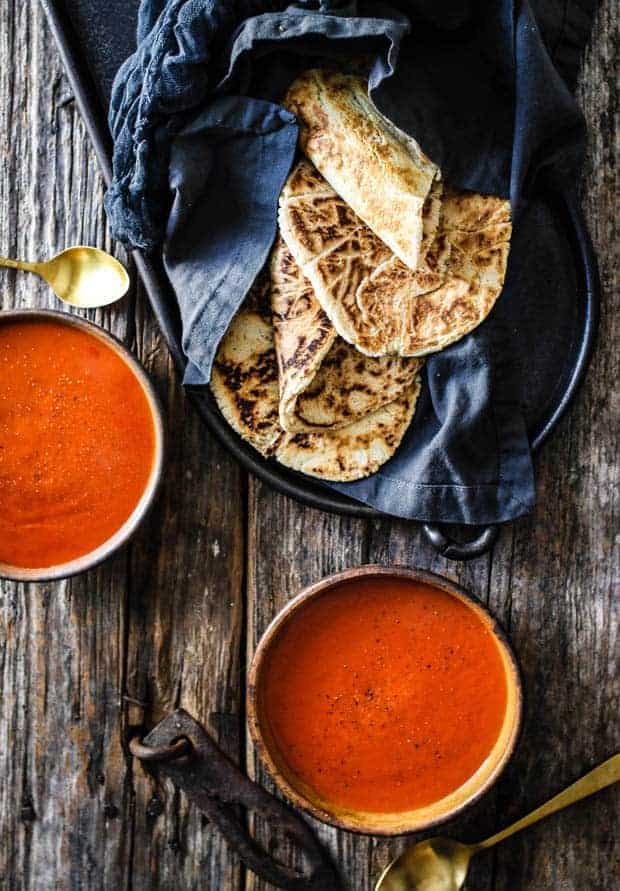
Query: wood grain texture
{"points": [[161, 622], [289, 547], [174, 618], [185, 614], [553, 582]]}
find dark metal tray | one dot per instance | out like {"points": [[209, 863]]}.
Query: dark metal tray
{"points": [[94, 37]]}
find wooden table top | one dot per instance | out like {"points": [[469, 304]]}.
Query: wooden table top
{"points": [[173, 619]]}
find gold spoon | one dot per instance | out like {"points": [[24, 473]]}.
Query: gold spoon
{"points": [[81, 276], [440, 864]]}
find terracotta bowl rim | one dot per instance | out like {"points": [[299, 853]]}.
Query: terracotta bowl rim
{"points": [[126, 531], [333, 818]]}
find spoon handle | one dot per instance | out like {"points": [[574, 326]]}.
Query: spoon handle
{"points": [[604, 775], [17, 264]]}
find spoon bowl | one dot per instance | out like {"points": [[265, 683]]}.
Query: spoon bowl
{"points": [[80, 276], [441, 864], [436, 864]]}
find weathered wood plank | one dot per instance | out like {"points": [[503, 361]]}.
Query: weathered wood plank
{"points": [[551, 581], [400, 543], [63, 771], [162, 620], [556, 578], [184, 629], [289, 547], [554, 581]]}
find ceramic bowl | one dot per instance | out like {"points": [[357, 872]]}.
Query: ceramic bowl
{"points": [[124, 533], [379, 823]]}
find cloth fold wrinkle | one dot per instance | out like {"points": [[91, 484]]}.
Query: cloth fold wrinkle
{"points": [[483, 99], [218, 141], [265, 33]]}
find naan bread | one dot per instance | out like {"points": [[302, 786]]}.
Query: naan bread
{"points": [[245, 385], [324, 381], [352, 452], [244, 378], [373, 300], [379, 171]]}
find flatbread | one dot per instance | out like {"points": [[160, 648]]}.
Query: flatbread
{"points": [[378, 170], [244, 383], [325, 383], [374, 301], [244, 378], [352, 452]]}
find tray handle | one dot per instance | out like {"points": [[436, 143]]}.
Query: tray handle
{"points": [[449, 547], [180, 749]]}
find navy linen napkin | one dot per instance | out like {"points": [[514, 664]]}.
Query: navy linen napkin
{"points": [[202, 149]]}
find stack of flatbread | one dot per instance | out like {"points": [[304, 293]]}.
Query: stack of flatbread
{"points": [[376, 264]]}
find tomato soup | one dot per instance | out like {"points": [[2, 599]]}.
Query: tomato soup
{"points": [[384, 695], [77, 442]]}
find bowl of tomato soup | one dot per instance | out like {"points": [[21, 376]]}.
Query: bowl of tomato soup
{"points": [[81, 444], [384, 700]]}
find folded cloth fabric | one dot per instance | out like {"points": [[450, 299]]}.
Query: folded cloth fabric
{"points": [[202, 149]]}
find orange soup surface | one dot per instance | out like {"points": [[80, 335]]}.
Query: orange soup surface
{"points": [[384, 695], [77, 443]]}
